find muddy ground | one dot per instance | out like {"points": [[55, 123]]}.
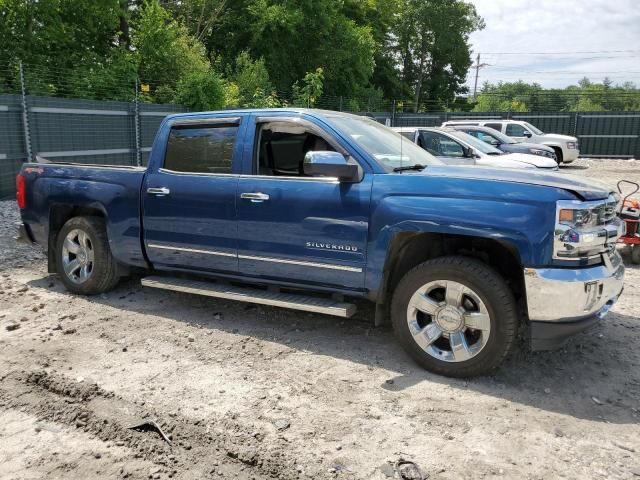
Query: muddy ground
{"points": [[252, 392]]}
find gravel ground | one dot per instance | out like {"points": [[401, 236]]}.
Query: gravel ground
{"points": [[253, 392]]}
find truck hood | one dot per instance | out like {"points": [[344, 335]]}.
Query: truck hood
{"points": [[587, 189], [539, 146], [559, 138]]}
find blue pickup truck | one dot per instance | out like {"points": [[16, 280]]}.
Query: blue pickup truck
{"points": [[308, 209]]}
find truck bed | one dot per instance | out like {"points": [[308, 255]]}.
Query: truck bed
{"points": [[112, 191]]}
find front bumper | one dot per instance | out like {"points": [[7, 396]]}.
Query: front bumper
{"points": [[570, 154], [562, 301]]}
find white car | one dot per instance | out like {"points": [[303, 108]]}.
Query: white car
{"points": [[454, 147], [565, 146]]}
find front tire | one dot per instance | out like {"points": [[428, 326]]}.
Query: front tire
{"points": [[558, 155], [455, 316], [83, 256]]}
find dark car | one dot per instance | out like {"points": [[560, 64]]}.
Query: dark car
{"points": [[505, 143]]}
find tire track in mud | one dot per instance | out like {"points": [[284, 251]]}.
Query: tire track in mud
{"points": [[219, 448]]}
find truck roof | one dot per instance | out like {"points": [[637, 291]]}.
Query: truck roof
{"points": [[265, 111]]}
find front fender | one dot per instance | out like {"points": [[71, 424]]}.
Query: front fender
{"points": [[526, 227]]}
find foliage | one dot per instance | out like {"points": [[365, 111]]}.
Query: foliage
{"points": [[265, 52], [585, 97], [432, 45], [202, 91], [165, 51], [307, 93], [252, 78]]}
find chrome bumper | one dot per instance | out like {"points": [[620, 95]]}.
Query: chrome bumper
{"points": [[565, 295]]}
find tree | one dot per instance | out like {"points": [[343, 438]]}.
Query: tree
{"points": [[202, 91], [252, 78], [307, 94], [433, 48], [294, 38], [165, 51], [585, 96]]}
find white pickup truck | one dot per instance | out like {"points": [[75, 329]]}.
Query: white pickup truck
{"points": [[565, 146]]}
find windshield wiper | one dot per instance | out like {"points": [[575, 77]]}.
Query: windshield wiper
{"points": [[416, 166]]}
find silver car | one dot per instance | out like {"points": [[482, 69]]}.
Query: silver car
{"points": [[454, 147]]}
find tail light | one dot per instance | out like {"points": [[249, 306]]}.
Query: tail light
{"points": [[21, 192]]}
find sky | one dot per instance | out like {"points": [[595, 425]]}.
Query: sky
{"points": [[518, 30]]}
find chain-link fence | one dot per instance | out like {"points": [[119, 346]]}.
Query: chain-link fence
{"points": [[114, 123]]}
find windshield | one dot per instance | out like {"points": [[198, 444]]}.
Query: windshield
{"points": [[475, 143], [535, 130], [502, 138], [389, 148]]}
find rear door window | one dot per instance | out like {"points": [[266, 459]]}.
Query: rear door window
{"points": [[495, 126], [201, 149], [515, 130]]}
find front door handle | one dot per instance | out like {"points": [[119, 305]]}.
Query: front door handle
{"points": [[255, 197], [158, 190]]}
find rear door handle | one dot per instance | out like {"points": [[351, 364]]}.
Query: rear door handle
{"points": [[255, 197], [158, 190]]}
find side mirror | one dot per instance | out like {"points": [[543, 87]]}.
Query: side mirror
{"points": [[495, 143], [468, 152], [330, 164], [527, 134]]}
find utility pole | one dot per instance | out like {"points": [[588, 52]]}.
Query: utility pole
{"points": [[477, 66]]}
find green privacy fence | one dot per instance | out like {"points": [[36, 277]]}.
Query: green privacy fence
{"points": [[69, 130], [121, 133]]}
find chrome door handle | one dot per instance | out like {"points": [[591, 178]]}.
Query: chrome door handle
{"points": [[158, 191], [255, 197]]}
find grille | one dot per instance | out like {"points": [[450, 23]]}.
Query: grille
{"points": [[607, 211]]}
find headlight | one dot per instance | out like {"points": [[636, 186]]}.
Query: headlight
{"points": [[585, 229], [577, 218], [572, 145], [537, 151]]}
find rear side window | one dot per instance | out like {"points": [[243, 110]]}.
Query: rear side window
{"points": [[201, 149], [495, 126], [409, 135]]}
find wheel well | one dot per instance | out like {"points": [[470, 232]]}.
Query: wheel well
{"points": [[58, 216], [410, 249], [558, 151]]}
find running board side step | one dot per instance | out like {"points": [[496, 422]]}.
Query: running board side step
{"points": [[252, 295]]}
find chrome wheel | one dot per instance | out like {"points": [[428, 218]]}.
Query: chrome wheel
{"points": [[77, 256], [448, 320]]}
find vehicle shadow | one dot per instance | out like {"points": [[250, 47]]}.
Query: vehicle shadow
{"points": [[574, 167], [595, 377]]}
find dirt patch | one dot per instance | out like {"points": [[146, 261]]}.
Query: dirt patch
{"points": [[253, 392]]}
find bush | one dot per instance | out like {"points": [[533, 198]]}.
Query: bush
{"points": [[202, 91]]}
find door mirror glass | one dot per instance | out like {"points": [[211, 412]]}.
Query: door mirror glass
{"points": [[330, 164], [468, 152]]}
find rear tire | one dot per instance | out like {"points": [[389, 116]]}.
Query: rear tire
{"points": [[635, 254], [83, 257], [467, 320]]}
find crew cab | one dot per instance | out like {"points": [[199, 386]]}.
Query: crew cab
{"points": [[307, 209], [454, 147], [565, 147]]}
